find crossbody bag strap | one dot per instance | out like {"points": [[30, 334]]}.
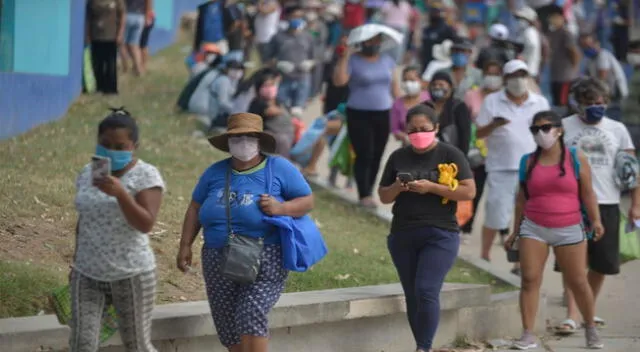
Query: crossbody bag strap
{"points": [[268, 175], [227, 194]]}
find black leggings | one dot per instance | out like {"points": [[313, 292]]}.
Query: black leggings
{"points": [[368, 131], [103, 58]]}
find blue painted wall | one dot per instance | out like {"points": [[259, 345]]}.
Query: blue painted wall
{"points": [[29, 99]]}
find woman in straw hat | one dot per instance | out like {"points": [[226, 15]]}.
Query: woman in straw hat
{"points": [[240, 311]]}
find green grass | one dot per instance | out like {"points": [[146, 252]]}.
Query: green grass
{"points": [[37, 216], [24, 288], [358, 252]]}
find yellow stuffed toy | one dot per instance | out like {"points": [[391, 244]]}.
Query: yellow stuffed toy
{"points": [[448, 173]]}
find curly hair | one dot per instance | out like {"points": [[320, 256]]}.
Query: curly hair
{"points": [[589, 89]]}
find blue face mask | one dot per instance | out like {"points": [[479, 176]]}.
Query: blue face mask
{"points": [[459, 59], [119, 158], [590, 52], [296, 23], [594, 113]]}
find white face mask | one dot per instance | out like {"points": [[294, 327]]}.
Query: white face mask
{"points": [[244, 148], [411, 88], [546, 140], [311, 16], [517, 86], [633, 59], [492, 82], [235, 74]]}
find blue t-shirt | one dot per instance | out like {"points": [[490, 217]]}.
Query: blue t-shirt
{"points": [[213, 30], [370, 83], [244, 199]]}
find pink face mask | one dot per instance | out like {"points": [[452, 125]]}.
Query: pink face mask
{"points": [[269, 92], [422, 140]]}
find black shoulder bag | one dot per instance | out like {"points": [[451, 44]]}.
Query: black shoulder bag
{"points": [[241, 254]]}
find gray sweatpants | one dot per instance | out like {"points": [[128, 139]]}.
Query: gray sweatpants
{"points": [[132, 299]]}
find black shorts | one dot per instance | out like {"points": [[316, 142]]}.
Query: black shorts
{"points": [[604, 255], [560, 93], [144, 38]]}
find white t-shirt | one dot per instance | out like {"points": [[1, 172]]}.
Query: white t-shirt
{"points": [[507, 144], [616, 79], [600, 143], [532, 52], [266, 26], [108, 248]]}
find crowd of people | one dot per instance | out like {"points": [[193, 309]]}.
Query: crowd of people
{"points": [[527, 114]]}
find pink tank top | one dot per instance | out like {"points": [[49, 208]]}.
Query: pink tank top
{"points": [[554, 200]]}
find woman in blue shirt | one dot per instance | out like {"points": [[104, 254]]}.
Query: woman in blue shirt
{"points": [[369, 74], [240, 311]]}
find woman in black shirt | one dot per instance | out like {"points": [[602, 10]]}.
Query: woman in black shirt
{"points": [[454, 116], [424, 237]]}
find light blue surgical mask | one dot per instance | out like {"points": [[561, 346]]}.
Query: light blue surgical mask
{"points": [[296, 24], [459, 59], [119, 158]]}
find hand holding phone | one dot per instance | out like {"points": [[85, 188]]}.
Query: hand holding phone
{"points": [[100, 168], [405, 177], [500, 121]]}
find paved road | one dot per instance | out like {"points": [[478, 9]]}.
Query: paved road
{"points": [[618, 301]]}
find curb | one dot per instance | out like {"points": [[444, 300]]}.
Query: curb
{"points": [[386, 216]]}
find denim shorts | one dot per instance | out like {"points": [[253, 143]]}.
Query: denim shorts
{"points": [[554, 237], [133, 28]]}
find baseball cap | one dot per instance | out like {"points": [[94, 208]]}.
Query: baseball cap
{"points": [[499, 31], [527, 13], [514, 66]]}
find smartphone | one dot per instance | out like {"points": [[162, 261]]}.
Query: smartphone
{"points": [[405, 177], [100, 168], [501, 119]]}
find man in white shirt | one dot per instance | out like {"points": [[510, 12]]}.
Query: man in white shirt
{"points": [[266, 25], [529, 36], [602, 64], [504, 120], [600, 139]]}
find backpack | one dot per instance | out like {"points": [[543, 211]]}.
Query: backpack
{"points": [[522, 172]]}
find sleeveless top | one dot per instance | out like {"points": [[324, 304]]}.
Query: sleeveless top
{"points": [[554, 200]]}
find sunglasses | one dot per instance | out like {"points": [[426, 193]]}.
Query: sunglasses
{"points": [[544, 128]]}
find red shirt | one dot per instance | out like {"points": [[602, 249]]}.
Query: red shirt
{"points": [[354, 15]]}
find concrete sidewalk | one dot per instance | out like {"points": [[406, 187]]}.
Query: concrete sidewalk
{"points": [[617, 303]]}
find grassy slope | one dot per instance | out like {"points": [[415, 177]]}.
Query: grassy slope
{"points": [[37, 176]]}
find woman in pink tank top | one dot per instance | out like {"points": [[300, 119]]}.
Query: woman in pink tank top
{"points": [[548, 215]]}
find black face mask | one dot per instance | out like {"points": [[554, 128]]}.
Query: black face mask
{"points": [[370, 49]]}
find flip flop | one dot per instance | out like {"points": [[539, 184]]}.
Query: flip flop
{"points": [[566, 327]]}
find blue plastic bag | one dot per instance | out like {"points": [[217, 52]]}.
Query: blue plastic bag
{"points": [[301, 151], [302, 242]]}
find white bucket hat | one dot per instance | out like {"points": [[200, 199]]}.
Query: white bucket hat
{"points": [[390, 36]]}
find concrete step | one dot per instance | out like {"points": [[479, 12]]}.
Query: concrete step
{"points": [[352, 319]]}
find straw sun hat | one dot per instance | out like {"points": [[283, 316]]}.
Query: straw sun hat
{"points": [[244, 124]]}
